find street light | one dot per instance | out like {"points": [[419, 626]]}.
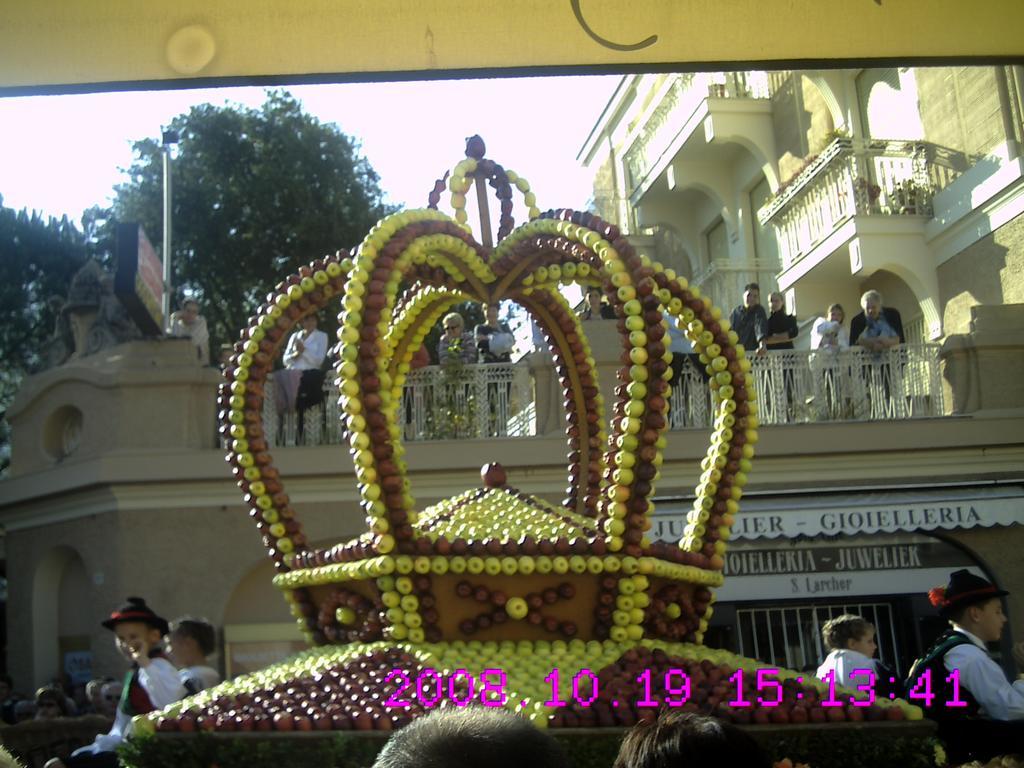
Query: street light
{"points": [[168, 139]]}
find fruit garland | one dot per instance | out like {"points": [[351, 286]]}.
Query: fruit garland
{"points": [[477, 166]]}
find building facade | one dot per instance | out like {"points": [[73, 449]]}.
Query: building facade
{"points": [[874, 479], [824, 185]]}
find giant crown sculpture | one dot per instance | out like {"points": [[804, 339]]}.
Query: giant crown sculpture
{"points": [[492, 577]]}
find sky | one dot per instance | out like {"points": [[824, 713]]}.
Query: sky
{"points": [[63, 154]]}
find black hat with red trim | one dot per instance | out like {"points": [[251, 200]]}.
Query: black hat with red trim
{"points": [[136, 610], [964, 589]]}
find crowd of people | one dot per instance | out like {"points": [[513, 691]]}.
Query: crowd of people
{"points": [[167, 662]]}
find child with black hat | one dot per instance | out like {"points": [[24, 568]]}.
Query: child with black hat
{"points": [[152, 682], [980, 729]]}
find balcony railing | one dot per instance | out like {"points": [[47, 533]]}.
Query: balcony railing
{"points": [[681, 98], [796, 386], [439, 403], [877, 178], [480, 401]]}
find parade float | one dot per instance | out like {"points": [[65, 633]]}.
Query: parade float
{"points": [[566, 613]]}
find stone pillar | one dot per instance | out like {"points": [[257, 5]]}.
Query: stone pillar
{"points": [[984, 369], [606, 348]]}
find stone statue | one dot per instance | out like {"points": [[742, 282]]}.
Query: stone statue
{"points": [[92, 319]]}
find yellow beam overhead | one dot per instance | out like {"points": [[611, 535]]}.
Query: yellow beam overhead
{"points": [[48, 45]]}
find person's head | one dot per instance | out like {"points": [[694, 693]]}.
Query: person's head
{"points": [[491, 314], [871, 303], [453, 325], [751, 295], [776, 301], [189, 311], [684, 739], [850, 633], [50, 703], [310, 322], [94, 692], [973, 603], [190, 641], [836, 313], [137, 629], [110, 695], [594, 299], [470, 738]]}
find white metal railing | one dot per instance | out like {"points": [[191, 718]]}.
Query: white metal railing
{"points": [[439, 403], [854, 178], [796, 386], [723, 279], [681, 97]]}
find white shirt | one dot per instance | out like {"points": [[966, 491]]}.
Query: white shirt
{"points": [[197, 678], [842, 661], [313, 353], [163, 686], [980, 675], [828, 334], [198, 332]]}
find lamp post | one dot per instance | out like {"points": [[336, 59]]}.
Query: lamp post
{"points": [[169, 138]]}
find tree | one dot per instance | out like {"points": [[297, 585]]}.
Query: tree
{"points": [[38, 258], [257, 194]]}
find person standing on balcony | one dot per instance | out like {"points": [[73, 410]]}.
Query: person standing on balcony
{"points": [[494, 343], [782, 328], [749, 319], [594, 307], [455, 345], [828, 332], [304, 356], [876, 328], [189, 324], [494, 339], [828, 339]]}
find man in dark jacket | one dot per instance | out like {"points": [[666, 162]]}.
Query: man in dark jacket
{"points": [[876, 328], [749, 319]]}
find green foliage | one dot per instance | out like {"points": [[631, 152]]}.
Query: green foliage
{"points": [[257, 193], [38, 258], [831, 747]]}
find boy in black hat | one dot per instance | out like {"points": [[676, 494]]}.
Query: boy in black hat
{"points": [[981, 729], [152, 683]]}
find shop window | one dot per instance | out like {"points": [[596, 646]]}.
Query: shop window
{"points": [[790, 636]]}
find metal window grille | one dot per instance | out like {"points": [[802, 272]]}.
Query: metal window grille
{"points": [[790, 637]]}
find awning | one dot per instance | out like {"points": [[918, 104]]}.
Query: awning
{"points": [[856, 513]]}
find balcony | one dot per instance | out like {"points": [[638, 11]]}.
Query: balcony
{"points": [[485, 401], [796, 386], [684, 102], [853, 189], [460, 403]]}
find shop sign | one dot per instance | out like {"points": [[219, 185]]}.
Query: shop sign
{"points": [[670, 519]]}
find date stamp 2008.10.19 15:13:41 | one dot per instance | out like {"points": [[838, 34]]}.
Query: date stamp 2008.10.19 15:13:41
{"points": [[429, 688]]}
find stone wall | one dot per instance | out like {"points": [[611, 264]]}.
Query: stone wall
{"points": [[991, 271], [960, 108]]}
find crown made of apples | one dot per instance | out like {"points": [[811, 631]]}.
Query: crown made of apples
{"points": [[493, 562]]}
